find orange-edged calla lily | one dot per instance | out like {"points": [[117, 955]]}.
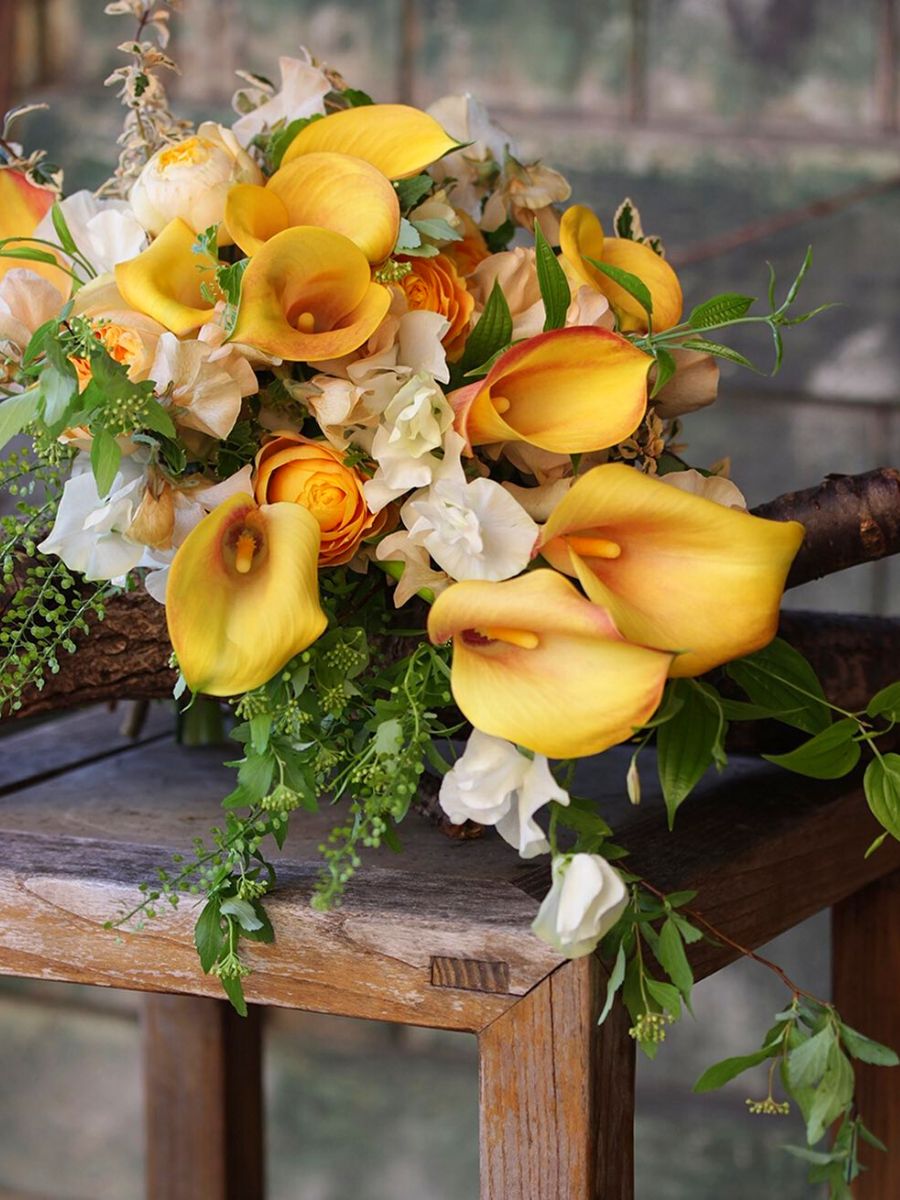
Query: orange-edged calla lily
{"points": [[333, 191], [676, 571], [308, 295], [581, 238], [165, 280], [243, 595], [538, 664], [570, 391], [23, 205], [397, 139]]}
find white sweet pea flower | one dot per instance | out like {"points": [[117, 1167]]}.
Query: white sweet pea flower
{"points": [[418, 573], [585, 900], [473, 530], [494, 784], [191, 179], [106, 232], [304, 87], [412, 427]]}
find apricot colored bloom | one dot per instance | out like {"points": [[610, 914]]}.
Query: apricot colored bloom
{"points": [[301, 471], [436, 285], [674, 570]]}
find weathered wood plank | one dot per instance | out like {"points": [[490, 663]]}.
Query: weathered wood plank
{"points": [[203, 1100], [866, 989], [557, 1095]]}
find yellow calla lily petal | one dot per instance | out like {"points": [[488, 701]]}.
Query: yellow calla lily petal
{"points": [[243, 595], [23, 205], [397, 139], [308, 295], [690, 575], [343, 193], [253, 214], [570, 391], [165, 280], [581, 238], [538, 664]]}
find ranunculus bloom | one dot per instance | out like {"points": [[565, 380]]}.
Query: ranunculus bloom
{"points": [[569, 391], [243, 595], [536, 663], [166, 281], [308, 296], [581, 238], [674, 570], [586, 899], [399, 140], [494, 784], [296, 469], [332, 191], [436, 285], [191, 180]]}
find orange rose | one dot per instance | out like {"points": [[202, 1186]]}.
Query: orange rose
{"points": [[436, 285], [297, 469]]}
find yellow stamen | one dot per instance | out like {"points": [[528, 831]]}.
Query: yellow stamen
{"points": [[306, 323], [243, 552], [594, 547], [523, 638]]}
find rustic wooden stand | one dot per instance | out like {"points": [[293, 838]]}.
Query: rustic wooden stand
{"points": [[437, 937]]}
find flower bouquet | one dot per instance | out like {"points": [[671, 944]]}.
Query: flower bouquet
{"points": [[396, 440]]}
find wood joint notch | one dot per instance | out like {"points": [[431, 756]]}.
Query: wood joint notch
{"points": [[470, 974]]}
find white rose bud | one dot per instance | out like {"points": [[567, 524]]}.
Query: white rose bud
{"points": [[585, 900], [191, 179]]}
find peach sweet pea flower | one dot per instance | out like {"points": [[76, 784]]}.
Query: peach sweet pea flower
{"points": [[242, 596], [297, 469], [26, 302], [674, 570], [536, 663]]}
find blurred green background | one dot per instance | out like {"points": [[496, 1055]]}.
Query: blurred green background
{"points": [[715, 116]]}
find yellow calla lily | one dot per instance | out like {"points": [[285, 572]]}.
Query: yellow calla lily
{"points": [[399, 140], [332, 191], [581, 238], [570, 391], [675, 571], [308, 295], [23, 205], [243, 595], [538, 664], [165, 280]]}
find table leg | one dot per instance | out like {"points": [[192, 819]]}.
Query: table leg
{"points": [[866, 971], [557, 1094], [203, 1089]]}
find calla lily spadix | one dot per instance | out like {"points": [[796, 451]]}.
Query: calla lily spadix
{"points": [[243, 595], [166, 280], [581, 238], [399, 140], [536, 663], [570, 391], [333, 191], [675, 571], [308, 295]]}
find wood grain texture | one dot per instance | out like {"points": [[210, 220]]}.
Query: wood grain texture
{"points": [[203, 1100], [557, 1095], [866, 990], [470, 974]]}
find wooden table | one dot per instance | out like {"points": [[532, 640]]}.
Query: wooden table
{"points": [[438, 936]]}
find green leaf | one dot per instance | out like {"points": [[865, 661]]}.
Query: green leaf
{"points": [[105, 458], [868, 1136], [673, 959], [806, 1065], [685, 745], [59, 385], [264, 931], [411, 191], [17, 412], [627, 221], [242, 911], [886, 703], [866, 1050], [279, 142], [616, 979], [665, 369], [157, 419], [780, 680], [666, 995], [260, 728], [356, 98], [552, 281], [234, 990], [438, 229], [208, 935], [831, 754], [832, 1096], [408, 237], [492, 333], [255, 774], [728, 306], [27, 253], [882, 787], [722, 1072], [817, 1157], [689, 932], [718, 350], [635, 287], [66, 241]]}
